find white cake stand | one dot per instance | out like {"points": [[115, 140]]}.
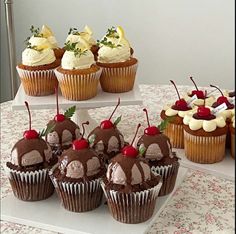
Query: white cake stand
{"points": [[102, 99]]}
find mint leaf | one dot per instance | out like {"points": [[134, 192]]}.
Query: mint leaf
{"points": [[91, 139], [162, 126], [70, 112], [142, 150], [46, 131], [117, 120]]}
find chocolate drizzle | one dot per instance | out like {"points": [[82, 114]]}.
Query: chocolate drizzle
{"points": [[209, 117], [229, 105]]}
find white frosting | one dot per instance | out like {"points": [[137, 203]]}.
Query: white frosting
{"points": [[93, 166], [75, 169], [136, 175], [171, 112], [227, 114], [199, 102], [113, 145], [118, 175], [31, 57]]}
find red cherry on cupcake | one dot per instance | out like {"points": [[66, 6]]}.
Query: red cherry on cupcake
{"points": [[222, 99], [150, 130], [82, 143], [204, 112], [129, 151], [31, 133], [197, 92], [180, 104], [59, 117], [106, 124]]}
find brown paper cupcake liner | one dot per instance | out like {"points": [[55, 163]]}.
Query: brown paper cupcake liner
{"points": [[30, 186], [176, 134], [38, 83], [202, 149], [118, 79], [169, 175], [232, 149], [133, 207], [78, 87]]}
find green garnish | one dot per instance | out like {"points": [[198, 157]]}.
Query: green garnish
{"points": [[73, 31], [105, 42], [72, 47], [111, 32], [92, 139], [117, 121], [70, 112], [46, 131], [142, 150], [162, 126], [35, 31]]}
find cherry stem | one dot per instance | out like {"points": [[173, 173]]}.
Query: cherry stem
{"points": [[115, 109], [175, 88], [145, 110], [139, 125], [83, 131], [27, 106], [191, 78], [56, 92], [217, 89]]}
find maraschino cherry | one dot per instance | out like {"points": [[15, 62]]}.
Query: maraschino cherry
{"points": [[180, 104], [129, 151], [59, 117], [222, 99], [81, 143], [31, 133], [150, 130], [203, 111], [199, 93], [106, 124]]}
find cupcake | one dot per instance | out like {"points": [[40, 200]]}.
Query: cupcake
{"points": [[77, 175], [78, 75], [175, 114], [107, 139], [119, 67], [48, 34], [65, 131], [204, 136], [131, 189], [86, 35], [36, 71], [157, 150], [198, 97], [31, 159], [232, 132]]}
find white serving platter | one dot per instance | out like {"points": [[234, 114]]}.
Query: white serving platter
{"points": [[50, 215]]}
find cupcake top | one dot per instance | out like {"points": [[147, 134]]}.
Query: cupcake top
{"points": [[49, 35], [77, 56], [114, 47]]}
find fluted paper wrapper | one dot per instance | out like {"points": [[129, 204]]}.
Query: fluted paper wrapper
{"points": [[79, 197], [30, 186], [38, 83], [202, 149], [233, 145], [133, 207], [169, 175], [78, 87], [118, 79], [176, 134]]}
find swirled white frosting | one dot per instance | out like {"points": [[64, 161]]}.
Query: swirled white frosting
{"points": [[227, 114], [171, 112], [199, 102]]}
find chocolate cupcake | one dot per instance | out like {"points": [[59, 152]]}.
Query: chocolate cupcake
{"points": [[107, 139], [31, 159], [131, 189], [157, 150], [77, 175]]}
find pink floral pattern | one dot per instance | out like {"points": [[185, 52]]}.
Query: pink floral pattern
{"points": [[202, 204]]}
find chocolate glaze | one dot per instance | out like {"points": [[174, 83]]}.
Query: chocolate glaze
{"points": [[229, 105], [209, 117], [174, 107], [232, 94]]}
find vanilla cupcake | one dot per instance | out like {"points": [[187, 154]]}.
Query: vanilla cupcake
{"points": [[36, 71], [119, 67], [78, 75]]}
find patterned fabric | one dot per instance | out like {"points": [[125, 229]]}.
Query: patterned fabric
{"points": [[202, 204]]}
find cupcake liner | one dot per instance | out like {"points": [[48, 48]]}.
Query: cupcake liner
{"points": [[30, 186], [133, 207], [118, 79], [78, 87], [38, 83], [176, 134], [78, 197], [202, 149], [232, 149], [169, 175]]}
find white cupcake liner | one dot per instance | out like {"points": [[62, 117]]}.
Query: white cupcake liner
{"points": [[38, 83], [134, 207], [169, 175], [78, 197], [30, 185], [78, 87]]}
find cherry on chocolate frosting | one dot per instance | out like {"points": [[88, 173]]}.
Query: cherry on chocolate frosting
{"points": [[180, 104], [82, 143], [59, 117], [150, 130], [129, 150], [31, 133], [106, 124], [199, 93]]}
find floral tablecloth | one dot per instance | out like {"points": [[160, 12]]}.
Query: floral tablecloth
{"points": [[202, 203]]}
